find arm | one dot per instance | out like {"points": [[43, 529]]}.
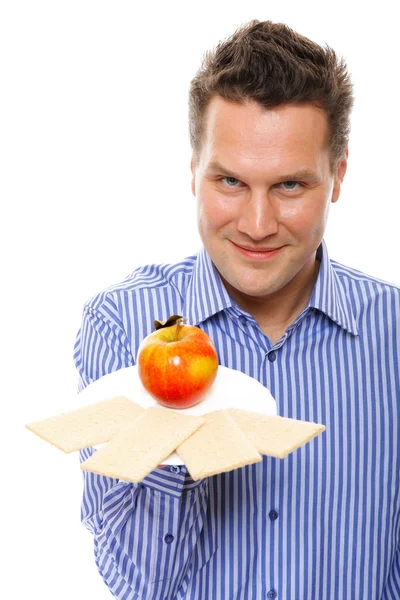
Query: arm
{"points": [[144, 534], [101, 347]]}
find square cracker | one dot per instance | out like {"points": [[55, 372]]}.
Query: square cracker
{"points": [[143, 445], [273, 435], [87, 426], [218, 446]]}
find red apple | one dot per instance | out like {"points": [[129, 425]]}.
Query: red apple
{"points": [[177, 363]]}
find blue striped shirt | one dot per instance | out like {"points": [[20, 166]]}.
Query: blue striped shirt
{"points": [[324, 522]]}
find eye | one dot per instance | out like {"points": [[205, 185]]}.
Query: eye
{"points": [[230, 181], [290, 185]]}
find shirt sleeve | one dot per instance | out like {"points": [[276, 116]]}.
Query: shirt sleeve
{"points": [[101, 347], [145, 535], [152, 542]]}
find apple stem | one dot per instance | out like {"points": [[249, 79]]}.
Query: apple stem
{"points": [[177, 329]]}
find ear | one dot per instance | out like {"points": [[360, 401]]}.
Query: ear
{"points": [[193, 169], [339, 176]]}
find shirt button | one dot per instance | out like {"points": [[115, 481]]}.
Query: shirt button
{"points": [[273, 515], [272, 356], [175, 469], [271, 594], [168, 538], [242, 319]]}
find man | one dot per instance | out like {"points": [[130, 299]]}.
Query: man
{"points": [[269, 124]]}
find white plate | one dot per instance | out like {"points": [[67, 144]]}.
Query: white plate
{"points": [[231, 389]]}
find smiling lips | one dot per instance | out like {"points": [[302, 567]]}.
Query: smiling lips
{"points": [[257, 253]]}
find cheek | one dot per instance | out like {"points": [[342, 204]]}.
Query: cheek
{"points": [[306, 217], [213, 212]]}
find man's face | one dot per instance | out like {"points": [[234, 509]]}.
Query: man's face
{"points": [[264, 186]]}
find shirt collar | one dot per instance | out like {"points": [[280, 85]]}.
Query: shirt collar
{"points": [[206, 295], [330, 295]]}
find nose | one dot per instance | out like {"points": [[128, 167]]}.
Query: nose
{"points": [[259, 216]]}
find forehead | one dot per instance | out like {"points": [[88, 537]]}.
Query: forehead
{"points": [[248, 133]]}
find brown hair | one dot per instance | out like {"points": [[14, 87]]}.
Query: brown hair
{"points": [[271, 64]]}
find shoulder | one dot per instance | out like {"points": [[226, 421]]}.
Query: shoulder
{"points": [[367, 292], [153, 280], [360, 279]]}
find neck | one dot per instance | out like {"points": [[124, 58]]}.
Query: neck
{"points": [[276, 312]]}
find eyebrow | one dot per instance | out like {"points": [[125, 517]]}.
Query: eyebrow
{"points": [[304, 173], [216, 166]]}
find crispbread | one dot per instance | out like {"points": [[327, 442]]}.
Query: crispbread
{"points": [[139, 448], [218, 446], [87, 426], [273, 435]]}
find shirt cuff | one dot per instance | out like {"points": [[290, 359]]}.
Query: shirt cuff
{"points": [[171, 479]]}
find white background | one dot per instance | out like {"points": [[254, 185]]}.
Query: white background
{"points": [[95, 181]]}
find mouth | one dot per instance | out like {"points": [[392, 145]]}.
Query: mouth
{"points": [[260, 254]]}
